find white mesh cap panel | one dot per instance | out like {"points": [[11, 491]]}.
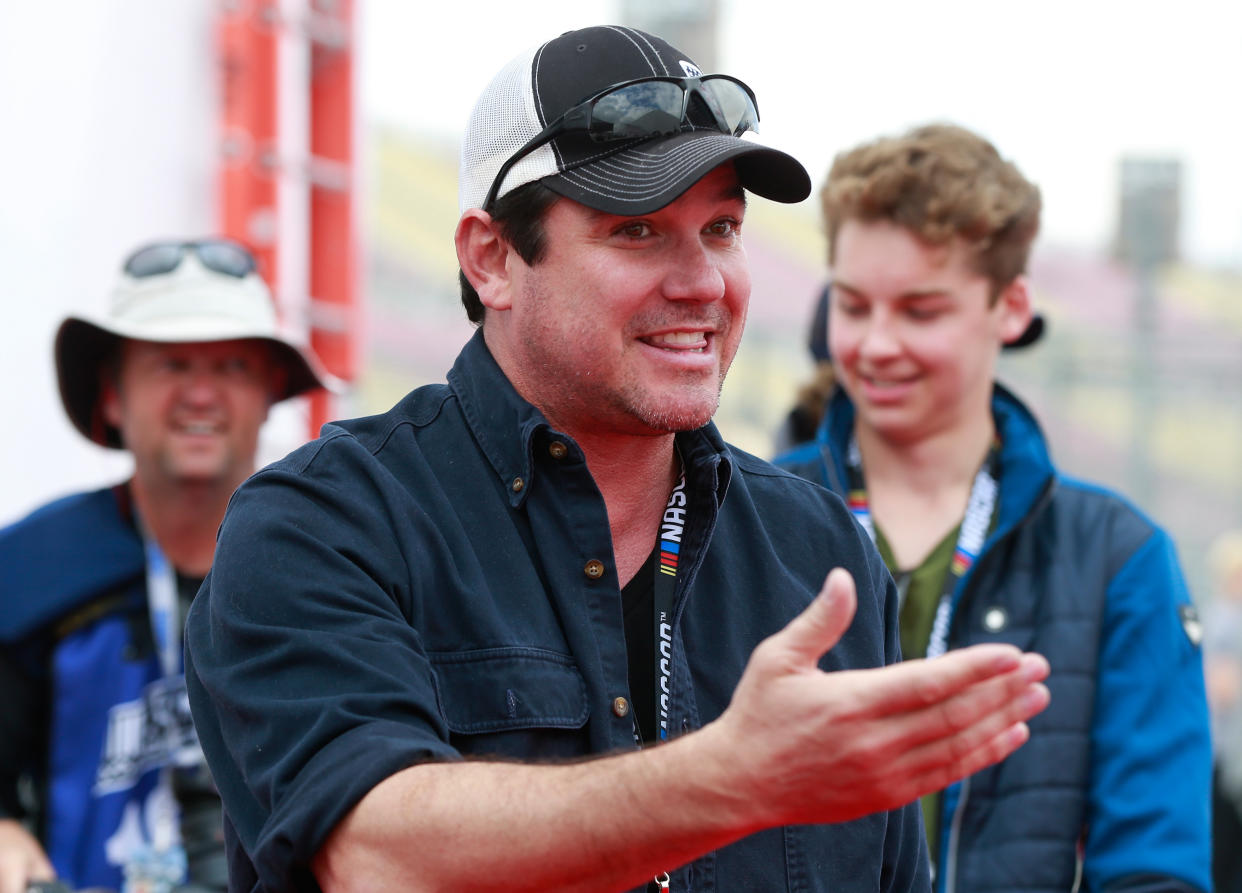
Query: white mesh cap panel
{"points": [[503, 120]]}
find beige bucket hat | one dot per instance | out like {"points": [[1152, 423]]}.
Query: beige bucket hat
{"points": [[176, 291]]}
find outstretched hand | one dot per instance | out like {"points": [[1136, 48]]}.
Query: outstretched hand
{"points": [[812, 746]]}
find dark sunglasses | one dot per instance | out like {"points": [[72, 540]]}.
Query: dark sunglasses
{"points": [[219, 255], [646, 107]]}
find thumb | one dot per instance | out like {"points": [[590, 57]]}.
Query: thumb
{"points": [[812, 633]]}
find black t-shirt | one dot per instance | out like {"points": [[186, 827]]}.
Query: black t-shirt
{"points": [[638, 605]]}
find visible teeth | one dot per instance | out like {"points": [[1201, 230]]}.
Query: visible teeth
{"points": [[678, 338], [199, 428]]}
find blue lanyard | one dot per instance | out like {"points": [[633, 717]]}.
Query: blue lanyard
{"points": [[973, 532]]}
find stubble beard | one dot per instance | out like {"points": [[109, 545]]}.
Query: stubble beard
{"points": [[629, 405]]}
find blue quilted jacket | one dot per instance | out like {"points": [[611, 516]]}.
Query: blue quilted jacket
{"points": [[1115, 779]]}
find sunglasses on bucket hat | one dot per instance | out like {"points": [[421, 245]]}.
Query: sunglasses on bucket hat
{"points": [[218, 255], [642, 108]]}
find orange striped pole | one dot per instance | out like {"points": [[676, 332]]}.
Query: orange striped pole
{"points": [[247, 39], [332, 238]]}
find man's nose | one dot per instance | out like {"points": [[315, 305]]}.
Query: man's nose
{"points": [[201, 385], [879, 337], [693, 274]]}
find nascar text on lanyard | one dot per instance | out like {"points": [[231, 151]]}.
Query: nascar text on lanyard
{"points": [[665, 590], [974, 531]]}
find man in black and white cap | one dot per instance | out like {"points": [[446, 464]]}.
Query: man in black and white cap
{"points": [[101, 779], [540, 627]]}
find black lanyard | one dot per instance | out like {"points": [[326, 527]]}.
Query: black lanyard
{"points": [[664, 591], [663, 595], [974, 531]]}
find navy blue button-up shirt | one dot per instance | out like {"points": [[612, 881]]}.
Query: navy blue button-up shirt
{"points": [[424, 585]]}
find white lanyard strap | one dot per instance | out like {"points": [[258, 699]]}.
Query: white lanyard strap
{"points": [[162, 604]]}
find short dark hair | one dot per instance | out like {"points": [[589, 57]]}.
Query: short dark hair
{"points": [[519, 214]]}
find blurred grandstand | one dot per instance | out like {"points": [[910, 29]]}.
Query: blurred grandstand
{"points": [[1136, 391]]}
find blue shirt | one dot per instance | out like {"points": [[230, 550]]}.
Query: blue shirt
{"points": [[438, 582]]}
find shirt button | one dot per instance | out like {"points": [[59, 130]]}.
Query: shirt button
{"points": [[518, 484], [594, 569], [557, 449], [621, 707]]}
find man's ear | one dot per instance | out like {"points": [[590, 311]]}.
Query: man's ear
{"points": [[1014, 307], [109, 400], [484, 256], [277, 378]]}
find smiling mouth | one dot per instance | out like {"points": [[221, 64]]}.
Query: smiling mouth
{"points": [[199, 428], [682, 341], [877, 382]]}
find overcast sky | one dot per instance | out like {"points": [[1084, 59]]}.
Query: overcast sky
{"points": [[1063, 88]]}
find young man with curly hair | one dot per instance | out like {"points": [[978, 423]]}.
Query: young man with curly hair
{"points": [[928, 239]]}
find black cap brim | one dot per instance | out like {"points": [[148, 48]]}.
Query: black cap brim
{"points": [[646, 176]]}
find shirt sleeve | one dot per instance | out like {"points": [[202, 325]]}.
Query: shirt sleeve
{"points": [[1149, 800], [308, 682]]}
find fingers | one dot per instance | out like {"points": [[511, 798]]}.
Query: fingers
{"points": [[813, 632], [937, 774], [951, 732], [926, 750], [982, 725], [962, 720], [914, 684]]}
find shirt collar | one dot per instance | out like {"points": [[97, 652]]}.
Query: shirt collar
{"points": [[507, 427]]}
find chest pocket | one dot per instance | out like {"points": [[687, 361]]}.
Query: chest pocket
{"points": [[524, 703]]}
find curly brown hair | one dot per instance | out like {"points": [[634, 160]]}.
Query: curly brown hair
{"points": [[941, 182]]}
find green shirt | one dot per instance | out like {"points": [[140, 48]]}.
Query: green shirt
{"points": [[921, 589]]}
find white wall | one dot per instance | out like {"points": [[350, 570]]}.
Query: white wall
{"points": [[108, 139]]}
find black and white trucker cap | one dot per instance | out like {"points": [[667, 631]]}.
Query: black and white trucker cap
{"points": [[625, 177]]}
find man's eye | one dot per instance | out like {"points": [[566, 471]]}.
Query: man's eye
{"points": [[636, 230], [726, 227]]}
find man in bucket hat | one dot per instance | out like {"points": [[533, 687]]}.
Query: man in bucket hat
{"points": [[497, 638], [94, 726]]}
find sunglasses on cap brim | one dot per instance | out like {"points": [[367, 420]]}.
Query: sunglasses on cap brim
{"points": [[646, 107], [218, 255]]}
